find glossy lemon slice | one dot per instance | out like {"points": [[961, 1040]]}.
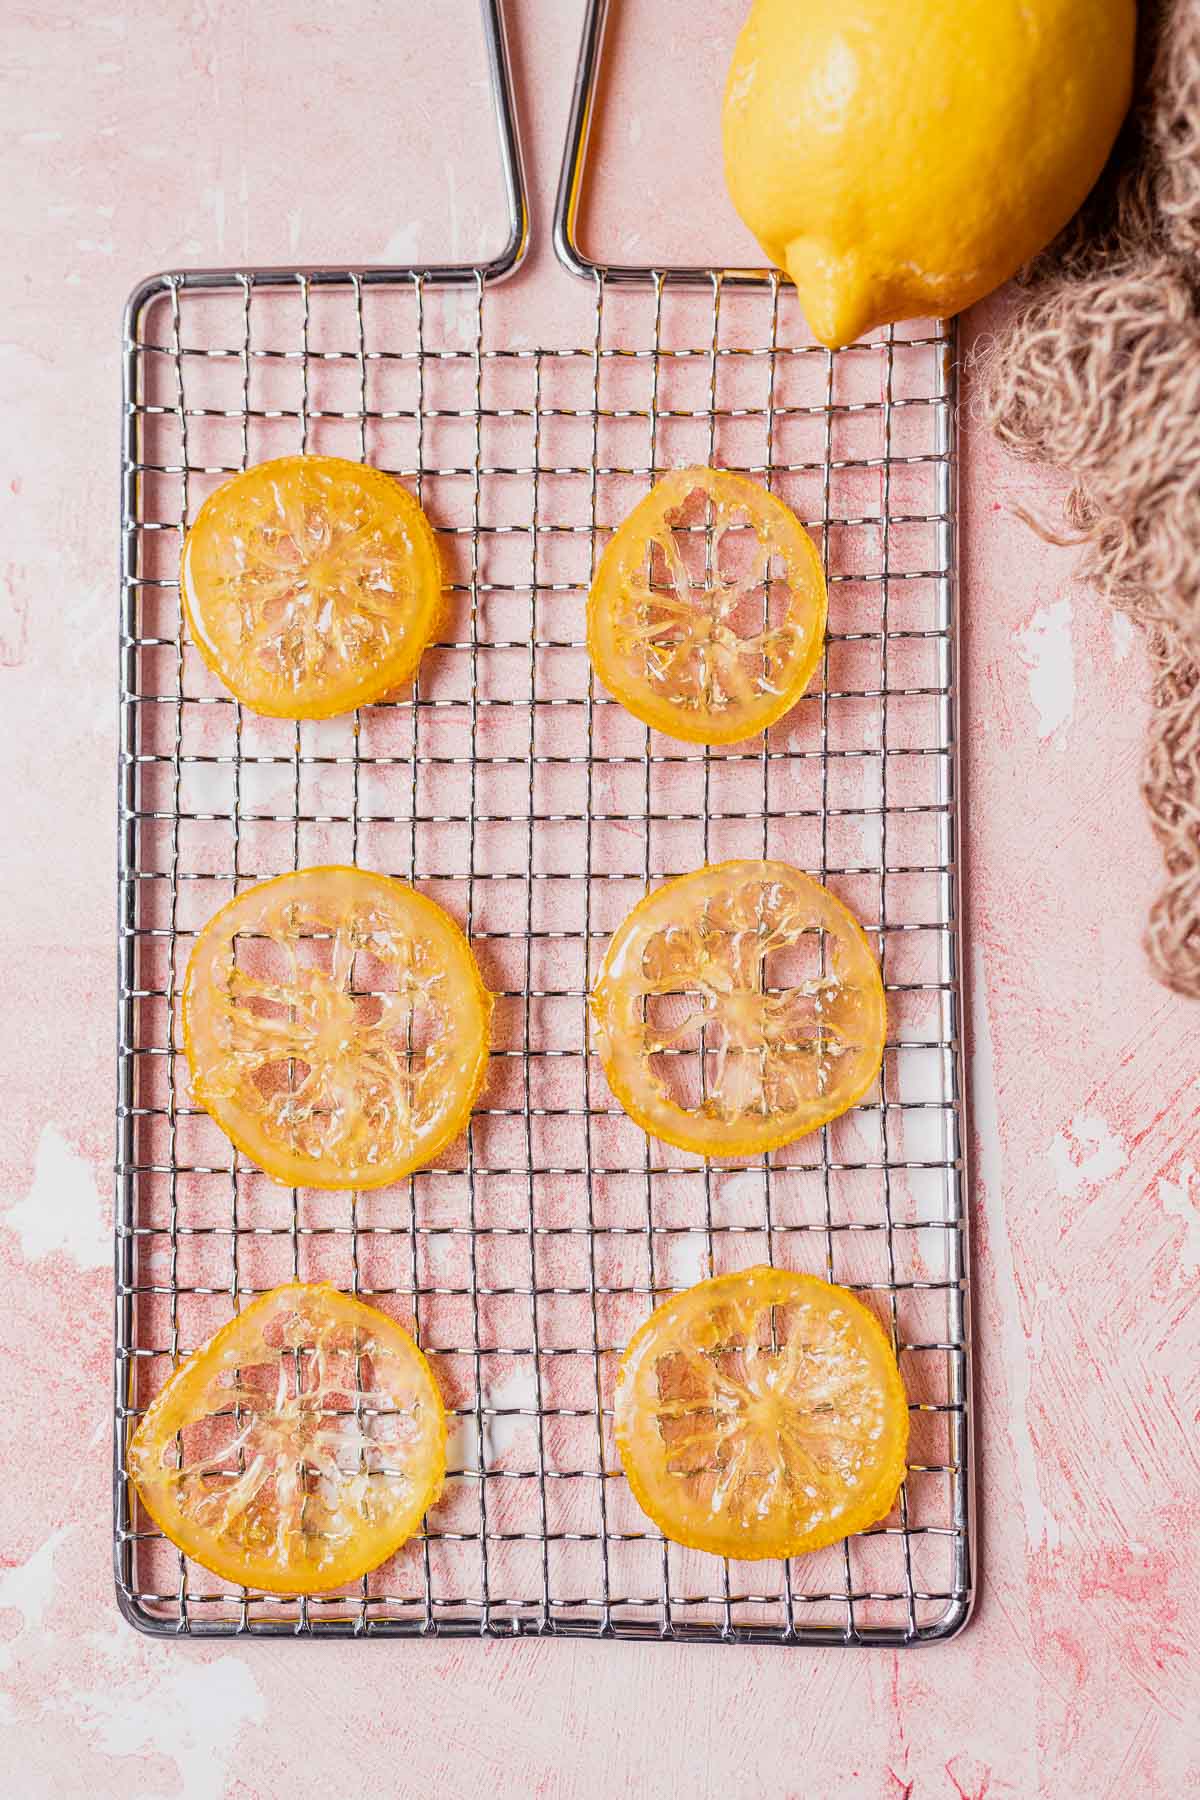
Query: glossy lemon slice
{"points": [[298, 1448], [761, 1414], [311, 585]]}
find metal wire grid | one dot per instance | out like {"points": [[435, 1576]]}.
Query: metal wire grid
{"points": [[537, 810]]}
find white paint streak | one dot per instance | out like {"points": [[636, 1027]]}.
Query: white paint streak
{"points": [[1120, 630], [689, 1258], [439, 1249], [140, 1703], [462, 1441], [14, 622], [401, 247], [519, 1390], [455, 217], [28, 1587], [458, 305], [62, 1209], [214, 198], [1181, 1200], [1047, 650], [1086, 1153], [742, 1197], [210, 787], [515, 1396], [190, 1712], [89, 636], [1014, 1361]]}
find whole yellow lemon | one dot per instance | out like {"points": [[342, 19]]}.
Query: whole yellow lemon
{"points": [[904, 157]]}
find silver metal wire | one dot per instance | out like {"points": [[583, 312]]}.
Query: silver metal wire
{"points": [[507, 785]]}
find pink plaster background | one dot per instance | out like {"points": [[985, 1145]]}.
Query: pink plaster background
{"points": [[136, 137]]}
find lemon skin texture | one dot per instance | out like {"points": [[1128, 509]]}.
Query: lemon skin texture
{"points": [[902, 158]]}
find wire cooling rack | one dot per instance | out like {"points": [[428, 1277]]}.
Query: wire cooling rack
{"points": [[538, 811]]}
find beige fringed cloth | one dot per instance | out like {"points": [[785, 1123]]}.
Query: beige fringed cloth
{"points": [[1098, 374]]}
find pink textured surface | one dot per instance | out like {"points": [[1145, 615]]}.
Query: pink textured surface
{"points": [[145, 137]]}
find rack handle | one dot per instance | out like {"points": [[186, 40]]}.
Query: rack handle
{"points": [[516, 247], [570, 186]]}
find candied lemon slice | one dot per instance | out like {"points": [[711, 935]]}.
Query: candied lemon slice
{"points": [[738, 1008], [336, 1026], [761, 1414], [708, 627], [298, 1448], [311, 585]]}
